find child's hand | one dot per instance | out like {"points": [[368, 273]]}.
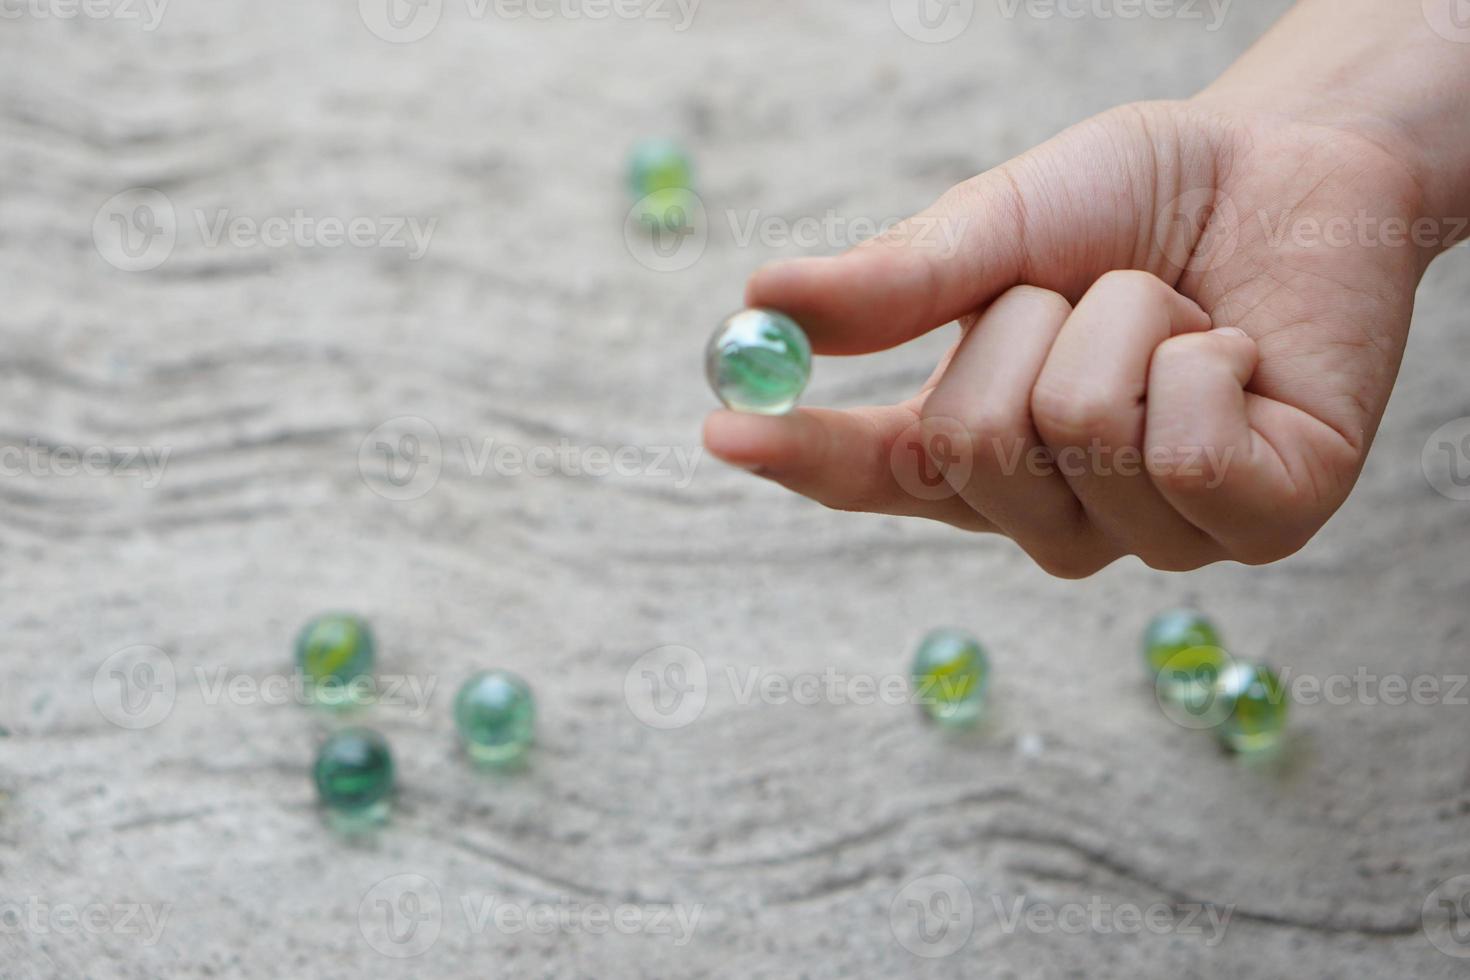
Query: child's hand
{"points": [[1165, 298]]}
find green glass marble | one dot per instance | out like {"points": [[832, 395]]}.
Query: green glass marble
{"points": [[659, 165], [673, 210], [1255, 703], [951, 674], [354, 774], [335, 654], [496, 717], [1182, 652], [759, 361]]}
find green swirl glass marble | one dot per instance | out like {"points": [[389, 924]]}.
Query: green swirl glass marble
{"points": [[496, 717], [659, 165], [335, 654], [1182, 652], [354, 775], [661, 179], [951, 673], [759, 361], [1254, 704]]}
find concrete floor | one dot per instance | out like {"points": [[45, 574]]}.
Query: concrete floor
{"points": [[1080, 833]]}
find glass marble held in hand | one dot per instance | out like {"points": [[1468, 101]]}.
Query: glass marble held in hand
{"points": [[334, 653], [951, 674], [759, 361], [496, 717], [354, 775], [1182, 652], [1254, 703]]}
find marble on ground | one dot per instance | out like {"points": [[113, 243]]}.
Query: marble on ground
{"points": [[794, 839]]}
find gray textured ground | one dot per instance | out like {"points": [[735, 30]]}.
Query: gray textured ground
{"points": [[795, 832]]}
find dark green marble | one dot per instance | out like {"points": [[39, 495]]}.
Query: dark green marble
{"points": [[354, 772]]}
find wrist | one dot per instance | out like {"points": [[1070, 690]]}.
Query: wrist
{"points": [[1375, 71]]}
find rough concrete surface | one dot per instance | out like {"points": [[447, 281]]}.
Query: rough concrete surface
{"points": [[797, 839]]}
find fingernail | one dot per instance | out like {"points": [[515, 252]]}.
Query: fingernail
{"points": [[1231, 332]]}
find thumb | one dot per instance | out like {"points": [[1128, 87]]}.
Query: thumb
{"points": [[946, 261], [1057, 217]]}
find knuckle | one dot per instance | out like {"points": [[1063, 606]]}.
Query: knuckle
{"points": [[1188, 352], [1186, 470], [1178, 351], [1266, 553], [1132, 284], [1072, 564], [986, 430], [1068, 417], [984, 421], [1164, 560], [997, 440], [1048, 305], [1273, 544]]}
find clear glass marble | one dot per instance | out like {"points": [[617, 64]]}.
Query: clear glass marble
{"points": [[496, 717], [759, 361]]}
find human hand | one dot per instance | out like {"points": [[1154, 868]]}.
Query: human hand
{"points": [[1135, 296]]}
